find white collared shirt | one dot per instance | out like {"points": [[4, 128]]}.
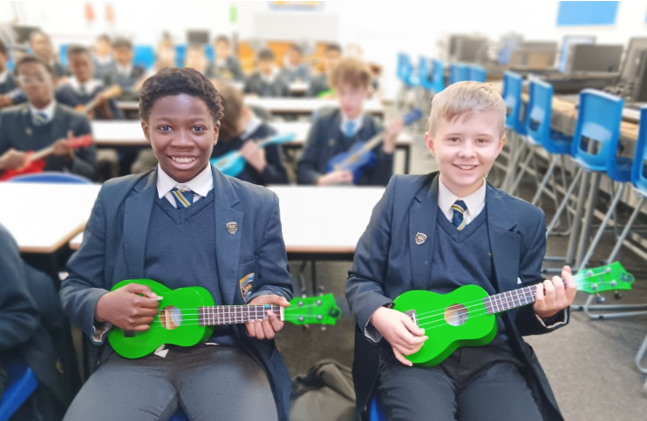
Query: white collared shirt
{"points": [[49, 111], [475, 202], [200, 185], [3, 76], [125, 70], [89, 86], [359, 122], [253, 124], [271, 77]]}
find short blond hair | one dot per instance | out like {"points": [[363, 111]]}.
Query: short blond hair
{"points": [[352, 71], [463, 98]]}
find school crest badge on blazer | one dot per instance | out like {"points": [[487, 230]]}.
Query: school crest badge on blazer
{"points": [[232, 227], [421, 238]]}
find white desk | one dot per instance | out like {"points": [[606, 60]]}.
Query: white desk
{"points": [[319, 222], [115, 134], [284, 105], [44, 217]]}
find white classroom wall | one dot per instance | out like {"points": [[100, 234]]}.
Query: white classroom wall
{"points": [[382, 28]]}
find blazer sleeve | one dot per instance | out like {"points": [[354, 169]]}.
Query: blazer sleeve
{"points": [[19, 316], [307, 172], [83, 287], [383, 169], [526, 320], [85, 159], [5, 140], [366, 279], [274, 172], [236, 70], [273, 274]]}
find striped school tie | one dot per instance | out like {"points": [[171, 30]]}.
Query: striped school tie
{"points": [[183, 198], [459, 207], [39, 118]]}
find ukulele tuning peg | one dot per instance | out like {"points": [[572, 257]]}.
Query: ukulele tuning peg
{"points": [[320, 290], [618, 295], [323, 328], [599, 299]]}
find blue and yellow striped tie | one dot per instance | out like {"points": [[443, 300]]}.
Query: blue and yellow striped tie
{"points": [[459, 207], [183, 198]]}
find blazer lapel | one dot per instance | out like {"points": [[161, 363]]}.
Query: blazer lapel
{"points": [[504, 243], [422, 226], [227, 243], [136, 220]]}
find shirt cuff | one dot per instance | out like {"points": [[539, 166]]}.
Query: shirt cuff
{"points": [[559, 319], [98, 332], [370, 332]]}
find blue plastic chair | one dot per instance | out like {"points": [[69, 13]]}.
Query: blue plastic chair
{"points": [[50, 177], [477, 73], [179, 416], [180, 54], [424, 78], [62, 54], [22, 383], [457, 73], [144, 56], [514, 123], [438, 75], [376, 413]]}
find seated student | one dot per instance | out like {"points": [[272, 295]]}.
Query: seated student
{"points": [[164, 57], [183, 224], [104, 62], [438, 232], [197, 59], [319, 84], [7, 82], [81, 89], [41, 122], [239, 129], [295, 70], [226, 66], [125, 74], [266, 82], [41, 45], [335, 131], [32, 331]]}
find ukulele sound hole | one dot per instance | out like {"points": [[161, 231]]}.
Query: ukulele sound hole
{"points": [[456, 315], [171, 317]]}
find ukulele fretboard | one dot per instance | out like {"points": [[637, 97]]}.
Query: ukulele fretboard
{"points": [[230, 315], [511, 299]]}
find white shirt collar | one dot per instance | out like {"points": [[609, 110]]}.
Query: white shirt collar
{"points": [[475, 202], [271, 77], [201, 184], [89, 86], [3, 76], [359, 122], [104, 60], [125, 70], [48, 110], [253, 124]]}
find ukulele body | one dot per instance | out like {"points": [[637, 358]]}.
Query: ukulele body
{"points": [[358, 161], [175, 324], [450, 321], [232, 163], [33, 167]]}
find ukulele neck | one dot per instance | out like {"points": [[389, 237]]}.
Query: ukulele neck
{"points": [[230, 315], [509, 300]]}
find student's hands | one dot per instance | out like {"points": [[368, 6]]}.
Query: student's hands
{"points": [[267, 328], [335, 177], [391, 135], [404, 336], [12, 159], [5, 101], [556, 297], [124, 308], [61, 148], [254, 155]]}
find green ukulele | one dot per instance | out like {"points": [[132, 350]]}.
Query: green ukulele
{"points": [[467, 315], [188, 315]]}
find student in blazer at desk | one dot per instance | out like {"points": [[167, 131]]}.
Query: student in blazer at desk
{"points": [[267, 81], [174, 225], [336, 130], [438, 232], [42, 122], [226, 65]]}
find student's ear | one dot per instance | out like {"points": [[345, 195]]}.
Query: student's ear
{"points": [[430, 144], [216, 132], [146, 129], [501, 143]]}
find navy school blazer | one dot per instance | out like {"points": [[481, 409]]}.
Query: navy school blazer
{"points": [[114, 246], [388, 263]]}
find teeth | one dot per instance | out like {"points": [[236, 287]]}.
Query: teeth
{"points": [[465, 167], [183, 160]]}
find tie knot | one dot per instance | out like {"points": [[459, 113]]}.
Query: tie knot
{"points": [[183, 197], [350, 128], [39, 118], [460, 206]]}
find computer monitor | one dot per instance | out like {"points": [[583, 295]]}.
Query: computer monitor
{"points": [[471, 49], [197, 37], [567, 42], [639, 90], [22, 33], [534, 55], [633, 60], [594, 58], [509, 43]]}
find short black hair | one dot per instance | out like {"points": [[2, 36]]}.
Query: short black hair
{"points": [[222, 38], [122, 43], [297, 48], [77, 49], [3, 49], [32, 59], [104, 37], [333, 47], [172, 81], [266, 54]]}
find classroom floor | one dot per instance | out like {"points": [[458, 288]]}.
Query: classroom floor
{"points": [[590, 364]]}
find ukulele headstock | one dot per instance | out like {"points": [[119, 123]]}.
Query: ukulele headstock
{"points": [[321, 310], [607, 278]]}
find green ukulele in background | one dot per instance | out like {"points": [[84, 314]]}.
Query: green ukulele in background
{"points": [[467, 315], [187, 317]]}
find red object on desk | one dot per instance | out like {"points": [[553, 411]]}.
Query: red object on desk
{"points": [[36, 160]]}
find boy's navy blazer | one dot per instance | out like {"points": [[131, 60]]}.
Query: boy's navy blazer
{"points": [[114, 248], [388, 262]]}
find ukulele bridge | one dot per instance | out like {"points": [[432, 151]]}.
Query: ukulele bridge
{"points": [[412, 315]]}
